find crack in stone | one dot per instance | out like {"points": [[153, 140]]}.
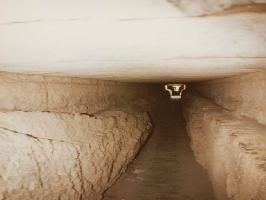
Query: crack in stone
{"points": [[38, 138], [254, 8], [80, 174], [38, 167], [70, 180]]}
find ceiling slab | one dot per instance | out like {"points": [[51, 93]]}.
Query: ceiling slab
{"points": [[141, 40]]}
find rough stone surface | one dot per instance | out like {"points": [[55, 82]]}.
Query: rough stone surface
{"points": [[51, 148], [66, 157], [232, 149], [209, 7], [244, 95], [64, 94]]}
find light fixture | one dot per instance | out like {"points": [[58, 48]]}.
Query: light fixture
{"points": [[175, 90]]}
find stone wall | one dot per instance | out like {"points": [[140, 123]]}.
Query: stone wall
{"points": [[64, 94], [244, 95], [227, 131], [68, 138]]}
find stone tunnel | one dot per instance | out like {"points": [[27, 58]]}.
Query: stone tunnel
{"points": [[84, 114]]}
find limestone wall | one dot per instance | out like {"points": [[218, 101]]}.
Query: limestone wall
{"points": [[226, 120], [244, 95], [64, 94], [231, 148], [68, 138]]}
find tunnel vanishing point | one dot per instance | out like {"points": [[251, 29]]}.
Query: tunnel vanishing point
{"points": [[91, 107]]}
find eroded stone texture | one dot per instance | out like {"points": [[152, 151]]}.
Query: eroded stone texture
{"points": [[244, 95], [64, 94], [210, 7], [232, 149], [51, 148], [63, 156]]}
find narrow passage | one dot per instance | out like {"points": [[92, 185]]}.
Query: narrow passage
{"points": [[166, 168]]}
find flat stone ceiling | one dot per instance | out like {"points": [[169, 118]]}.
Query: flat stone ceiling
{"points": [[140, 40]]}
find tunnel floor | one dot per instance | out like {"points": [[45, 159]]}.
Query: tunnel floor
{"points": [[165, 169]]}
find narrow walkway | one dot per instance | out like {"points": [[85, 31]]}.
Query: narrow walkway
{"points": [[165, 169]]}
